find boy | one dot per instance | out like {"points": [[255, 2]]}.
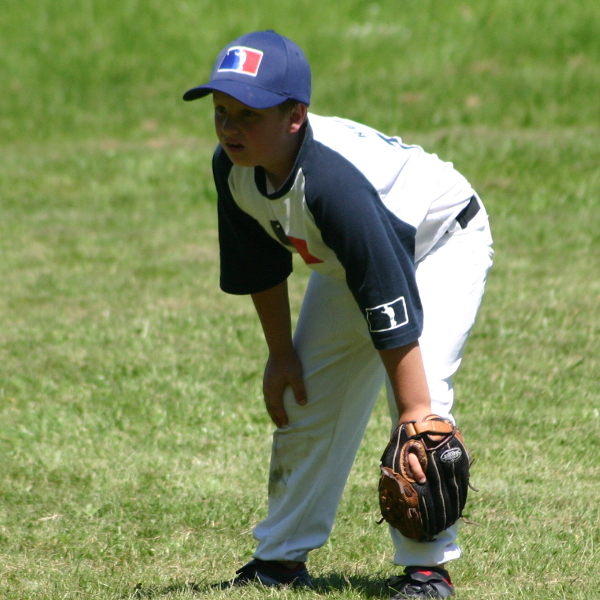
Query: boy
{"points": [[400, 247]]}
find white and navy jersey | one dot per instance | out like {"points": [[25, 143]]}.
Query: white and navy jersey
{"points": [[358, 205]]}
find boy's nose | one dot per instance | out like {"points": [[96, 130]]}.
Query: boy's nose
{"points": [[229, 125]]}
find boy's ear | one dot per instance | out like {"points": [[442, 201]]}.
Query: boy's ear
{"points": [[297, 117]]}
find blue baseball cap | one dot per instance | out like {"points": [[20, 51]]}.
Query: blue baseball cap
{"points": [[260, 69]]}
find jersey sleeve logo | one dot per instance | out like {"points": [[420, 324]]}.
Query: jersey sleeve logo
{"points": [[240, 59], [388, 316]]}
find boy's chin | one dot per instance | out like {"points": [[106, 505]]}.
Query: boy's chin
{"points": [[239, 161]]}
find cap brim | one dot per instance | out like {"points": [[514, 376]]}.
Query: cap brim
{"points": [[249, 95], [197, 92]]}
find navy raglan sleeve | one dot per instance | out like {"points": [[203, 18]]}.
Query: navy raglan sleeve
{"points": [[251, 261], [375, 247]]}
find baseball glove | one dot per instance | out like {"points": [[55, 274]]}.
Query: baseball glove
{"points": [[422, 511]]}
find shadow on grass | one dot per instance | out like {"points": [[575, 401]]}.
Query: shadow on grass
{"points": [[368, 586], [371, 586]]}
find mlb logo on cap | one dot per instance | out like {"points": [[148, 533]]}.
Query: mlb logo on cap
{"points": [[241, 60]]}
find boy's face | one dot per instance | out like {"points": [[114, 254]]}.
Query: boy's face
{"points": [[254, 137]]}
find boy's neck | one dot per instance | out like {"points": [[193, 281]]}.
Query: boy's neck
{"points": [[279, 174], [276, 181]]}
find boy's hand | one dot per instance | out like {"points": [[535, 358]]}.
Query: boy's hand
{"points": [[281, 371], [414, 468]]}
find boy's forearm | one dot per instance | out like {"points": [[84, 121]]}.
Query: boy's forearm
{"points": [[273, 309], [407, 374], [283, 368]]}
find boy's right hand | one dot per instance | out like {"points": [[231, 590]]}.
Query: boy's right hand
{"points": [[281, 371]]}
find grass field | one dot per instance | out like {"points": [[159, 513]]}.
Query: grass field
{"points": [[133, 441]]}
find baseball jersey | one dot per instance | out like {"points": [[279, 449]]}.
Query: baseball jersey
{"points": [[358, 205]]}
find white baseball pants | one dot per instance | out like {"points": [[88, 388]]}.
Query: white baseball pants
{"points": [[312, 457]]}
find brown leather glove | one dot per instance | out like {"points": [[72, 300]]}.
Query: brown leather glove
{"points": [[422, 511]]}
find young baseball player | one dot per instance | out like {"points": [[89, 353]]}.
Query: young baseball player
{"points": [[400, 249]]}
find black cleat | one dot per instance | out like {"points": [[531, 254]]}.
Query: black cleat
{"points": [[269, 573], [421, 583]]}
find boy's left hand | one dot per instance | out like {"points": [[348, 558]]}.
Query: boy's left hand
{"points": [[281, 371]]}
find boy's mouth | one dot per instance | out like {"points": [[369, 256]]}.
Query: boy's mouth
{"points": [[234, 146]]}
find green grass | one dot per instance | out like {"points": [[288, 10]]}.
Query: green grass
{"points": [[133, 440], [90, 68]]}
